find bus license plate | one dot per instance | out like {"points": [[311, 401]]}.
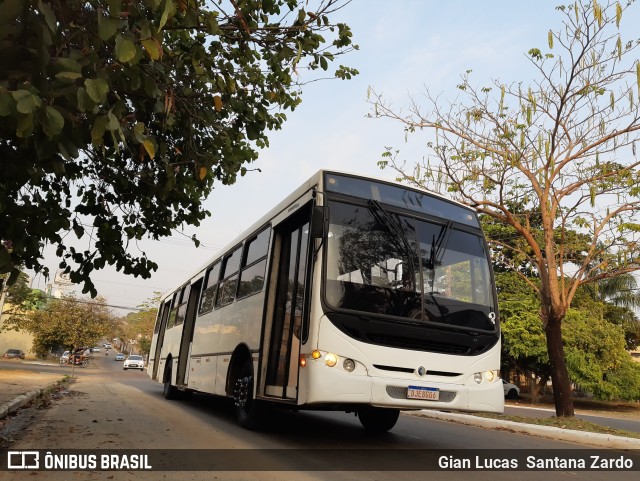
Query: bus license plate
{"points": [[419, 392]]}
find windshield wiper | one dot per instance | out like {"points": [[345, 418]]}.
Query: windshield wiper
{"points": [[438, 247], [385, 219], [398, 234]]}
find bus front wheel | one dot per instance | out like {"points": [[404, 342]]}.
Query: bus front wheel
{"points": [[378, 420]]}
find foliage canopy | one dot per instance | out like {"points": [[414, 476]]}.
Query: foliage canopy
{"points": [[118, 118]]}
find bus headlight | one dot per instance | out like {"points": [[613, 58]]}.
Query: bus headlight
{"points": [[490, 376], [349, 365], [330, 359]]}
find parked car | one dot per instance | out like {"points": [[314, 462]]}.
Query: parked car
{"points": [[65, 355], [133, 362], [511, 391], [13, 354], [119, 357], [95, 349]]}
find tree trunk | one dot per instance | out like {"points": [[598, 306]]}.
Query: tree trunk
{"points": [[559, 373]]}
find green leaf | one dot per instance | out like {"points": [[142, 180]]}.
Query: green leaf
{"points": [[150, 148], [97, 89], [125, 49], [152, 47], [168, 12], [53, 122], [49, 16], [98, 130], [6, 104], [67, 64], [84, 101], [25, 125], [107, 27], [69, 75], [26, 102], [79, 230], [113, 123]]}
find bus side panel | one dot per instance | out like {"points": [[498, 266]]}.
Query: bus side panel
{"points": [[240, 322], [152, 360], [170, 347], [203, 362]]}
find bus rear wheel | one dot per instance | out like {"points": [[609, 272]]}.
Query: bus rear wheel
{"points": [[169, 392], [378, 420], [248, 410]]}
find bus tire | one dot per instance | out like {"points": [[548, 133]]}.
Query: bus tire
{"points": [[248, 410], [378, 420], [169, 392]]}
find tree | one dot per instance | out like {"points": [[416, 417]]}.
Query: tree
{"points": [[622, 296], [139, 325], [595, 349], [68, 322], [562, 151], [119, 117]]}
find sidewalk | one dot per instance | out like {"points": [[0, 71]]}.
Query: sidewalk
{"points": [[18, 387]]}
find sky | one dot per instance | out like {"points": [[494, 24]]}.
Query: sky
{"points": [[406, 46]]}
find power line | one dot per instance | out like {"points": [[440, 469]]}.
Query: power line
{"points": [[79, 301]]}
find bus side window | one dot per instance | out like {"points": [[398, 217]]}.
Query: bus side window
{"points": [[161, 311], [227, 288], [254, 264], [209, 288], [174, 310], [182, 304], [165, 312]]}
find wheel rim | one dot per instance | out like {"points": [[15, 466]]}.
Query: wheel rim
{"points": [[242, 393]]}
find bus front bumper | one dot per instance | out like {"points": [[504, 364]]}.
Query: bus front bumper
{"points": [[334, 386]]}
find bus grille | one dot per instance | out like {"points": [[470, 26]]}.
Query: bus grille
{"points": [[399, 392], [418, 344]]}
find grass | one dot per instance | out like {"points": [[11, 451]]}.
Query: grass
{"points": [[576, 423], [43, 400]]}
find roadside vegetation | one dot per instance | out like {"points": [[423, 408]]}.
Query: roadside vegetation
{"points": [[551, 162]]}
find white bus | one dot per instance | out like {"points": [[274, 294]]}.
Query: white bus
{"points": [[352, 294]]}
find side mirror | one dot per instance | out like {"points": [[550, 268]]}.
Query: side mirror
{"points": [[319, 221]]}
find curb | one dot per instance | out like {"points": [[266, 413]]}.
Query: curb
{"points": [[17, 402], [582, 437]]}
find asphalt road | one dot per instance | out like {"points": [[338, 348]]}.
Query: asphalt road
{"points": [[102, 361], [111, 408]]}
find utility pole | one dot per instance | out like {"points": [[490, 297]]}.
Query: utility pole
{"points": [[3, 294]]}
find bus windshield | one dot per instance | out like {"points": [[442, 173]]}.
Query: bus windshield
{"points": [[391, 264]]}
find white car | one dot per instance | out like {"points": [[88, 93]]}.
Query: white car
{"points": [[511, 391], [133, 362], [119, 357]]}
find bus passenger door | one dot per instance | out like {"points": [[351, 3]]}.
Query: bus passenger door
{"points": [[291, 254], [187, 333], [161, 328]]}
